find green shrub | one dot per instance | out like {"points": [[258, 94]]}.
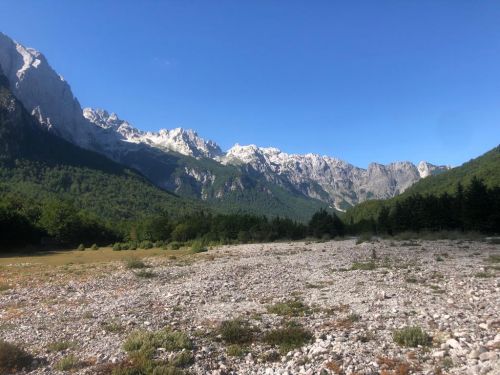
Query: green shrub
{"points": [[67, 363], [13, 358], [288, 338], [145, 274], [364, 266], [125, 246], [353, 317], [174, 245], [236, 331], [135, 264], [494, 259], [113, 327], [235, 350], [4, 287], [148, 342], [94, 247], [411, 337], [146, 245], [289, 308], [132, 245], [182, 359], [198, 247], [81, 247], [59, 346]]}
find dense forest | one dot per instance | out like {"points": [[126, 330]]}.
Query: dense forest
{"points": [[473, 208], [60, 223]]}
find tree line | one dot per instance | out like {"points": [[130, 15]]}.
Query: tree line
{"points": [[59, 223], [473, 208]]}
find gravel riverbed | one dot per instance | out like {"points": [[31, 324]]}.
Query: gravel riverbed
{"points": [[353, 297]]}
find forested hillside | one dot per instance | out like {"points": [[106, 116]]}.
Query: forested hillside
{"points": [[40, 172], [463, 198]]}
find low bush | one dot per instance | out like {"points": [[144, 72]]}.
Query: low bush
{"points": [[174, 245], [198, 247], [13, 358], [411, 337], [67, 363], [135, 264], [81, 247], [289, 308], [94, 247], [235, 350], [182, 359], [288, 338], [145, 274], [59, 346], [150, 341], [364, 266], [146, 245], [236, 331]]}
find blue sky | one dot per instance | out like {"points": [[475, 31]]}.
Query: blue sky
{"points": [[360, 80]]}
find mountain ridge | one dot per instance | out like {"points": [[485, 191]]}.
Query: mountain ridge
{"points": [[165, 156]]}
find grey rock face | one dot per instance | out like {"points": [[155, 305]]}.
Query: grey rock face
{"points": [[332, 180]]}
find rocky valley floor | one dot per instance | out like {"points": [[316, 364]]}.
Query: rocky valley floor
{"points": [[387, 307]]}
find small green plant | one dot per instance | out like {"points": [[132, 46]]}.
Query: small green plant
{"points": [[4, 287], [182, 359], [411, 337], [67, 363], [353, 317], [59, 346], [13, 358], [146, 245], [148, 342], [364, 266], [494, 259], [134, 263], [145, 274], [235, 350], [117, 246], [81, 247], [289, 308], [113, 327], [484, 275], [174, 245], [236, 331], [94, 247], [439, 258], [288, 338], [198, 247]]}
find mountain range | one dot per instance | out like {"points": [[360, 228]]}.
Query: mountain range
{"points": [[243, 178]]}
